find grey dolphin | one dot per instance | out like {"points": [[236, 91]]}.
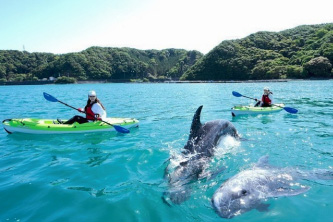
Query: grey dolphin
{"points": [[248, 189], [197, 152]]}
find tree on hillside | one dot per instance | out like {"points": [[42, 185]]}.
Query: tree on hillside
{"points": [[319, 67], [326, 50], [295, 71]]}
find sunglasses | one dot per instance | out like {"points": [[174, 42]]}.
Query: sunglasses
{"points": [[92, 96]]}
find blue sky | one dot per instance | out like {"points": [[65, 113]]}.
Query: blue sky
{"points": [[62, 26]]}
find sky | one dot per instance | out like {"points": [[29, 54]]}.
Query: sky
{"points": [[63, 26]]}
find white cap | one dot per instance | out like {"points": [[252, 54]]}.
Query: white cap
{"points": [[92, 93], [266, 88]]}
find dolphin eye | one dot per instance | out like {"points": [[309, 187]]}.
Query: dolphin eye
{"points": [[243, 192]]}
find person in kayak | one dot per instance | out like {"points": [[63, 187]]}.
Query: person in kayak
{"points": [[266, 99], [94, 111]]}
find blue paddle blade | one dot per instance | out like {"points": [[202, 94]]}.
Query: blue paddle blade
{"points": [[236, 94], [120, 129], [49, 97], [290, 110]]}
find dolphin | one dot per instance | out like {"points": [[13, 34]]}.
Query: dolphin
{"points": [[197, 153], [248, 189]]}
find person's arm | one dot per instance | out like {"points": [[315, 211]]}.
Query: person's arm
{"points": [[98, 110], [270, 96]]}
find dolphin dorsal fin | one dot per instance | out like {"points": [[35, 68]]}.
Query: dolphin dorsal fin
{"points": [[196, 123]]}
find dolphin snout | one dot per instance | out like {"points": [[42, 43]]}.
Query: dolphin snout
{"points": [[216, 203], [222, 206]]}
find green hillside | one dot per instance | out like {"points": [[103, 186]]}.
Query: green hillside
{"points": [[97, 63], [303, 52]]}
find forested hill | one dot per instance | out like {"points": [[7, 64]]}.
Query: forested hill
{"points": [[97, 63], [302, 52]]}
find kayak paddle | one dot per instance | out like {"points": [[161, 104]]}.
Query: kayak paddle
{"points": [[50, 98], [288, 109]]}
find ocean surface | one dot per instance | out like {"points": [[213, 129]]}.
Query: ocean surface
{"points": [[117, 177]]}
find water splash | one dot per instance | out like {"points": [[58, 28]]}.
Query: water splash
{"points": [[227, 145]]}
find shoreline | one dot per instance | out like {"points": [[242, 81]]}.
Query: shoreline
{"points": [[159, 81]]}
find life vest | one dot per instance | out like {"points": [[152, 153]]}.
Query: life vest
{"points": [[90, 115], [266, 100]]}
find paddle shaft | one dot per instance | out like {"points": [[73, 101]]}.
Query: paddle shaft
{"points": [[83, 112], [53, 99], [68, 105], [257, 100], [250, 98]]}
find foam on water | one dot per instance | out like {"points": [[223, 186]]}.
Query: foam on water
{"points": [[228, 145]]}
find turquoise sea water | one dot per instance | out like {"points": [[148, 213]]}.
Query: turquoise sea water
{"points": [[113, 177]]}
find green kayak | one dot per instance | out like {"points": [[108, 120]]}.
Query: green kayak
{"points": [[49, 126], [250, 110]]}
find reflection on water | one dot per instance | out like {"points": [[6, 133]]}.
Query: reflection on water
{"points": [[97, 160], [93, 192], [93, 138]]}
